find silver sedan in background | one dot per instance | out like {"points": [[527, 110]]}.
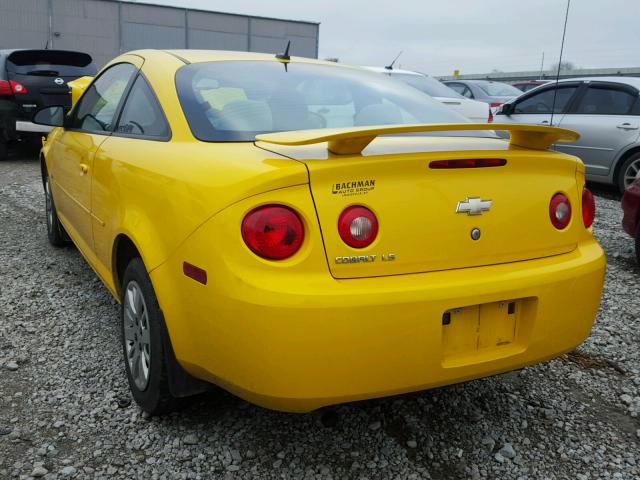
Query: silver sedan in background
{"points": [[605, 111]]}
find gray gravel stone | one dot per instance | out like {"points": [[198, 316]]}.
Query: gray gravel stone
{"points": [[190, 439], [68, 471], [11, 365], [39, 471], [507, 451]]}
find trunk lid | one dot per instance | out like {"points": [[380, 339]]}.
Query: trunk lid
{"points": [[419, 229], [45, 74]]}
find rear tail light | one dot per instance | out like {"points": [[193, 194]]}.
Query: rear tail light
{"points": [[358, 226], [274, 232], [18, 88], [588, 208], [11, 87], [490, 119], [495, 104], [468, 163], [560, 211], [5, 88]]}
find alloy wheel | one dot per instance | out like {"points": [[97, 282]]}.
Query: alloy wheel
{"points": [[136, 335], [632, 172]]}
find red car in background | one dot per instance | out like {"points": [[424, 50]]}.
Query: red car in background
{"points": [[631, 208], [526, 85]]}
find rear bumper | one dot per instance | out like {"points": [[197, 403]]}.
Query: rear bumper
{"points": [[304, 342], [23, 126]]}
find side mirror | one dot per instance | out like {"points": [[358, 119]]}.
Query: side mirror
{"points": [[50, 116], [507, 109]]}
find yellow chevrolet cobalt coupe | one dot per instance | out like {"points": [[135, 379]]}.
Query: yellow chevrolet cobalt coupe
{"points": [[302, 233]]}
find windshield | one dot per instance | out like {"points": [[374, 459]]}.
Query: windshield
{"points": [[427, 85], [236, 100], [497, 89]]}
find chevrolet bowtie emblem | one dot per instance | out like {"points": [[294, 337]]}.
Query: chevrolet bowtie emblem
{"points": [[473, 206]]}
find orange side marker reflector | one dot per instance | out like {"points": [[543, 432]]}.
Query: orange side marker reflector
{"points": [[198, 274]]}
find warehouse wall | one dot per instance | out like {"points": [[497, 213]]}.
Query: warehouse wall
{"points": [[24, 23], [88, 25], [106, 28]]}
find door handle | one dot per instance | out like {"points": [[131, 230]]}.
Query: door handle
{"points": [[544, 122], [84, 168], [627, 126]]}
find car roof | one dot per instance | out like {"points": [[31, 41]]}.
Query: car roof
{"points": [[395, 70], [201, 56], [474, 81]]}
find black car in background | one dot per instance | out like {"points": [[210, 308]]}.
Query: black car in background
{"points": [[32, 79]]}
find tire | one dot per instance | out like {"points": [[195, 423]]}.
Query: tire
{"points": [[629, 170], [4, 150], [55, 231], [143, 339]]}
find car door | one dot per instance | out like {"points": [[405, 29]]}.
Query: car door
{"points": [[604, 117], [536, 107], [125, 159], [73, 150]]}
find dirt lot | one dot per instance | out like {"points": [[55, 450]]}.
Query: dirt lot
{"points": [[65, 410]]}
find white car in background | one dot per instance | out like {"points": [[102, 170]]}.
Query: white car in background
{"points": [[478, 112]]}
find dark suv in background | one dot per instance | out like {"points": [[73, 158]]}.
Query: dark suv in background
{"points": [[32, 79]]}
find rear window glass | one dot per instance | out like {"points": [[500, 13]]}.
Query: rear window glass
{"points": [[236, 100], [57, 63], [427, 85], [498, 89]]}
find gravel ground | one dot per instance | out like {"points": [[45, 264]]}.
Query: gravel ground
{"points": [[65, 410]]}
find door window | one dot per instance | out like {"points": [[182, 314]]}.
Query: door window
{"points": [[97, 108], [542, 102], [606, 100], [142, 114], [461, 88]]}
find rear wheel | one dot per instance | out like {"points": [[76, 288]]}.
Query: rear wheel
{"points": [[143, 342], [629, 171], [55, 230]]}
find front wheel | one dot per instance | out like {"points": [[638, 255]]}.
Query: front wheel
{"points": [[55, 230], [143, 342], [629, 172]]}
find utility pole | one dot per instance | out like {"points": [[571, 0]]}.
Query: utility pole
{"points": [[542, 65]]}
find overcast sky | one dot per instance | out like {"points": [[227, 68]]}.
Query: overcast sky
{"points": [[474, 36]]}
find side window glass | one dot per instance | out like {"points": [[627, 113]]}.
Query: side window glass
{"points": [[458, 87], [97, 107], [542, 102], [466, 92], [600, 100], [142, 115]]}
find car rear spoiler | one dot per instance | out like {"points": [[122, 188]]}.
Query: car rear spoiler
{"points": [[353, 140], [78, 86]]}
